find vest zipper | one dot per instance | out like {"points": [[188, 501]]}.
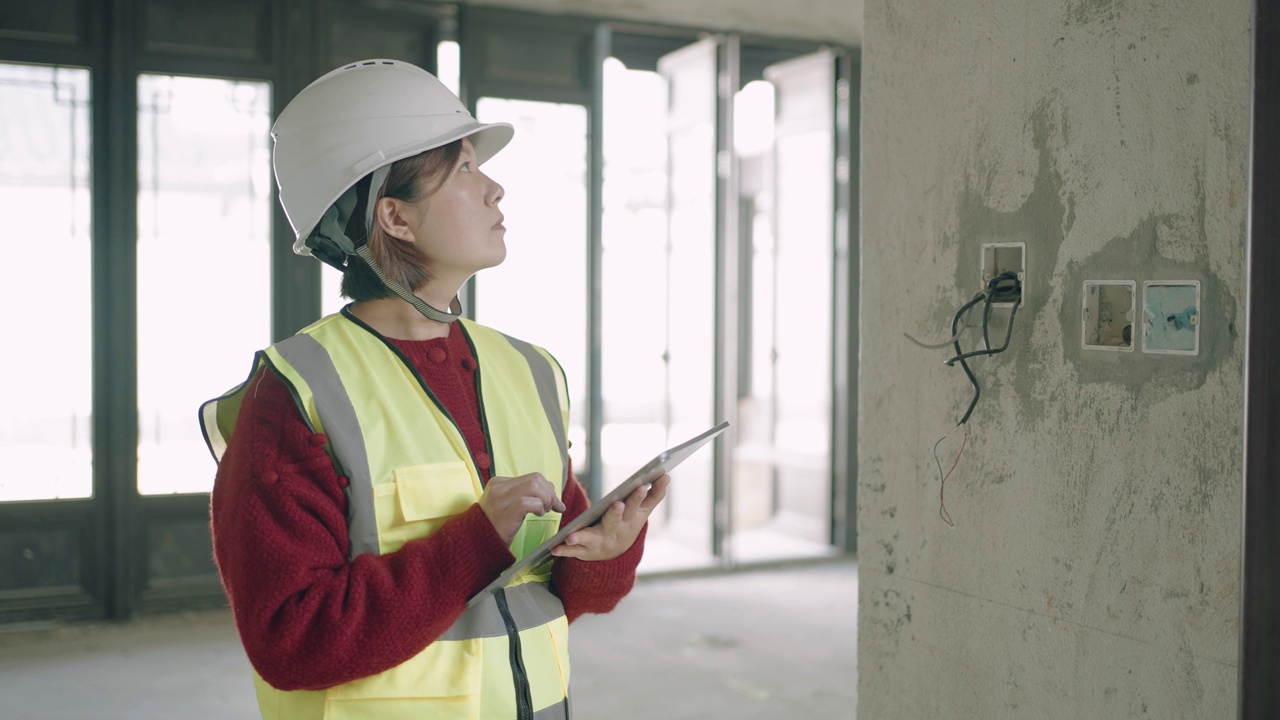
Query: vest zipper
{"points": [[524, 697], [484, 419]]}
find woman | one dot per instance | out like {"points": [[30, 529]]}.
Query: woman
{"points": [[381, 467]]}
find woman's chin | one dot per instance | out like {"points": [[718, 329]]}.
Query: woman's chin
{"points": [[499, 255]]}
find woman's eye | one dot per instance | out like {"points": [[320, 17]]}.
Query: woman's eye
{"points": [[466, 167]]}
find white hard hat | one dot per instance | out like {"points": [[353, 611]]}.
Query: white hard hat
{"points": [[357, 119]]}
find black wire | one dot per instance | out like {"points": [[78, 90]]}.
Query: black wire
{"points": [[1013, 288], [995, 351], [995, 291], [986, 321], [955, 324], [1004, 285]]}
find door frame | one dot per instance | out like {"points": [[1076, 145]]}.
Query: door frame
{"points": [[1259, 693]]}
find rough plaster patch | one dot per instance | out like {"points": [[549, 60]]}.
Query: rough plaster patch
{"points": [[1144, 255]]}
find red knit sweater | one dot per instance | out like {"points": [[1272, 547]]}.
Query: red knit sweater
{"points": [[309, 616]]}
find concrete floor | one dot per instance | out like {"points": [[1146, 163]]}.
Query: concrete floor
{"points": [[777, 643]]}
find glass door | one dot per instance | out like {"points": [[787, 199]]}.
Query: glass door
{"points": [[782, 480], [204, 260], [683, 535], [47, 534], [634, 273], [45, 443]]}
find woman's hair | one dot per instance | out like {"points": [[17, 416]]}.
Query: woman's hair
{"points": [[410, 180]]}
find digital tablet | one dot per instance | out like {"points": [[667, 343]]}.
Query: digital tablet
{"points": [[657, 467]]}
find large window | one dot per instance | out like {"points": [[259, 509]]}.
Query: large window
{"points": [[664, 165], [45, 443], [781, 482], [536, 293], [204, 262], [634, 283]]}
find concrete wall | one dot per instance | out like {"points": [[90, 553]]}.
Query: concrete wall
{"points": [[1093, 568], [836, 21]]}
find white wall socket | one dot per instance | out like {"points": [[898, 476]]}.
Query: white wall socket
{"points": [[1107, 315], [1171, 317]]}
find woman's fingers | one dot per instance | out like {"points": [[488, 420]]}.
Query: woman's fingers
{"points": [[508, 500], [634, 501], [657, 492], [613, 517]]}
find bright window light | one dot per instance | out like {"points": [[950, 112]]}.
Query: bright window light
{"points": [[204, 262], [45, 443]]}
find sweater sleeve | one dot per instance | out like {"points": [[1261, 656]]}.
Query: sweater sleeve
{"points": [[309, 616], [586, 586]]}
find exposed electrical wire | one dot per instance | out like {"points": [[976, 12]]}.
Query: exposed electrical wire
{"points": [[933, 345], [942, 478], [1002, 288], [930, 346]]}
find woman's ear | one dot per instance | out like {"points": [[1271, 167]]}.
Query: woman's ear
{"points": [[392, 215]]}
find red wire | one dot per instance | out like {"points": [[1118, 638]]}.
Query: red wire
{"points": [[957, 462], [942, 503]]}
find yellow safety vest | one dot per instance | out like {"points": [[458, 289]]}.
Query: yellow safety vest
{"points": [[410, 470]]}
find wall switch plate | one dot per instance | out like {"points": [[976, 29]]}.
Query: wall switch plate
{"points": [[1107, 316], [1004, 257], [1171, 317]]}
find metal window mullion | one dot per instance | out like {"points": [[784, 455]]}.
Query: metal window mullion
{"points": [[594, 479], [726, 298], [844, 346], [295, 280], [114, 308]]}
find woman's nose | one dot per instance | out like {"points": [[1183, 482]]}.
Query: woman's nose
{"points": [[496, 193]]}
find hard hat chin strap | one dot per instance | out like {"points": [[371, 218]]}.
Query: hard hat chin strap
{"points": [[329, 242], [431, 313], [379, 177]]}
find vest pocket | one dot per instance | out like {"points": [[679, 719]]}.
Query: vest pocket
{"points": [[533, 532], [442, 682], [419, 499]]}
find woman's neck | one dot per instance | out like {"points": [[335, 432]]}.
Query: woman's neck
{"points": [[395, 318]]}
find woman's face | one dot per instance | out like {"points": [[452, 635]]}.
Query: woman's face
{"points": [[458, 228]]}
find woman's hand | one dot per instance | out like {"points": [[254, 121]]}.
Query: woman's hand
{"points": [[618, 529], [506, 501]]}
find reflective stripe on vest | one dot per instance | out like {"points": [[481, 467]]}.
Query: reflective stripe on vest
{"points": [[559, 711], [337, 415], [530, 605], [405, 480]]}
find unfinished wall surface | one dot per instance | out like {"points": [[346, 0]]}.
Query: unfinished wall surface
{"points": [[836, 21], [1093, 569]]}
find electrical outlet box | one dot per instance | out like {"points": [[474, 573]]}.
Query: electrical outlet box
{"points": [[1108, 314], [1005, 257], [1171, 317]]}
